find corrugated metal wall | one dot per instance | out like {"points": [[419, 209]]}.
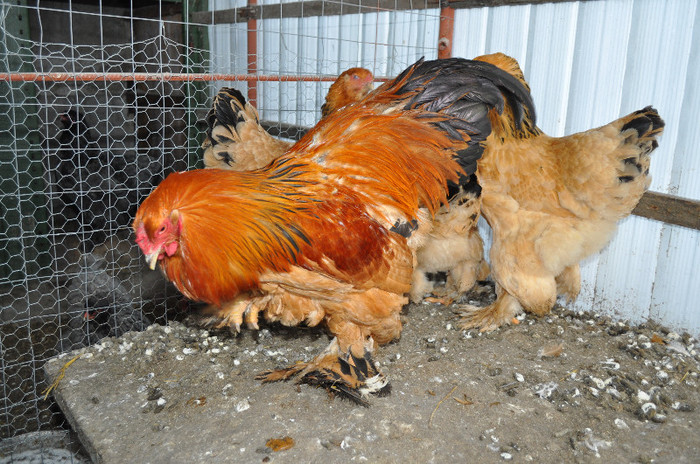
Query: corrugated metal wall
{"points": [[587, 62]]}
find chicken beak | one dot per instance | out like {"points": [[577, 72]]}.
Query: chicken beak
{"points": [[152, 259]]}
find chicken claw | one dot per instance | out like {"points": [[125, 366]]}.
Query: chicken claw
{"points": [[445, 301], [342, 373], [231, 315], [490, 317], [251, 316]]}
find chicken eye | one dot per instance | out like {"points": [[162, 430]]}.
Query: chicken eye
{"points": [[355, 76], [161, 230]]}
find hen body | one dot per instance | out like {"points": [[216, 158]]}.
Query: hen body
{"points": [[327, 233], [236, 140], [552, 201], [453, 246]]}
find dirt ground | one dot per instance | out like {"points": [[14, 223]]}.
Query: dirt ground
{"points": [[570, 387]]}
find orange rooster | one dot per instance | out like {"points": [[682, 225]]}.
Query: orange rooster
{"points": [[236, 140], [552, 201], [327, 233]]}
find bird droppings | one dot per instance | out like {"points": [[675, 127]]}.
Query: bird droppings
{"points": [[621, 424], [611, 364], [545, 390], [242, 405], [609, 396], [592, 443]]}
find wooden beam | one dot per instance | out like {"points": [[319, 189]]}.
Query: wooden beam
{"points": [[669, 209], [329, 8], [492, 3]]}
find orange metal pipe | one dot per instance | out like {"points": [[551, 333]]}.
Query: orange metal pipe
{"points": [[447, 29], [252, 57], [85, 77]]}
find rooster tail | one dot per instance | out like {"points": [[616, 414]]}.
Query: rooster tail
{"points": [[617, 160], [467, 93], [227, 113], [516, 120], [638, 131], [229, 109], [507, 64]]}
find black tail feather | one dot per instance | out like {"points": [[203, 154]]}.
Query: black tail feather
{"points": [[466, 91], [221, 112]]}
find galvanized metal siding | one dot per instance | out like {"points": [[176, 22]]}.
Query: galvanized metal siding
{"points": [[676, 295], [588, 63], [384, 42]]}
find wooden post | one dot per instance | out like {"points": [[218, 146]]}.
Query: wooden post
{"points": [[252, 57], [447, 21]]}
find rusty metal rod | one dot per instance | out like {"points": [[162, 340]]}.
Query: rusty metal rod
{"points": [[447, 29], [184, 77]]}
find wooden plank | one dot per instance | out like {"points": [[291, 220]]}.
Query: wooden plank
{"points": [[669, 209], [326, 8], [493, 3]]}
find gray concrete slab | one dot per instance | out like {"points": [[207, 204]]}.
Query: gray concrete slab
{"points": [[179, 394]]}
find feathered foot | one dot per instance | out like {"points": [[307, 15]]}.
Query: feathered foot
{"points": [[491, 317], [232, 315], [339, 373], [569, 283]]}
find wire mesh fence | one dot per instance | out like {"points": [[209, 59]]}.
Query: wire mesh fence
{"points": [[101, 99], [77, 157], [98, 103]]}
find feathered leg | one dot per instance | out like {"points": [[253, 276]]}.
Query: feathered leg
{"points": [[454, 246], [501, 312], [420, 286], [349, 375], [531, 288], [463, 277], [569, 282]]}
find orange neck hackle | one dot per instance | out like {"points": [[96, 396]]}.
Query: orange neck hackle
{"points": [[231, 226]]}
